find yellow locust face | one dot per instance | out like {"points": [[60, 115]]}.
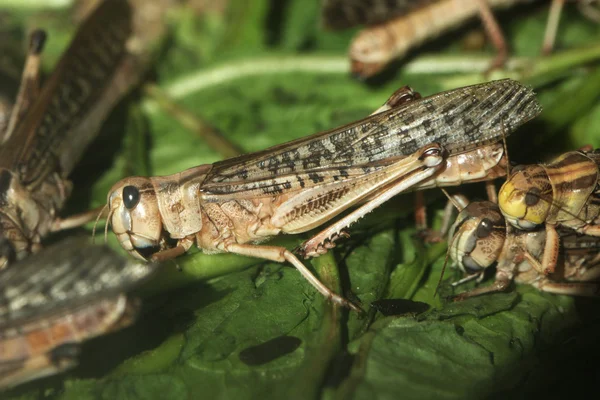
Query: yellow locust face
{"points": [[519, 205]]}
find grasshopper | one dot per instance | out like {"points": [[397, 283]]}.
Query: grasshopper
{"points": [[480, 239], [49, 128], [394, 27], [233, 205], [58, 298], [562, 193]]}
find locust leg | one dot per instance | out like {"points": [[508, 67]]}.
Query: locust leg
{"points": [[77, 220], [584, 272], [468, 278], [590, 9], [182, 247], [494, 33], [420, 212], [447, 219], [456, 202], [30, 81], [492, 193], [592, 230], [423, 232], [501, 283], [552, 26], [551, 252], [318, 245], [401, 96], [281, 254], [589, 289]]}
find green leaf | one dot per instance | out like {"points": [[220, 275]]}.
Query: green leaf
{"points": [[480, 347]]}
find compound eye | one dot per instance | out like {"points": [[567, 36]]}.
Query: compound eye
{"points": [[484, 229], [432, 152], [532, 197], [433, 156], [131, 197]]}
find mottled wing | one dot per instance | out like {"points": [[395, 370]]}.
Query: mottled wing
{"points": [[65, 276], [44, 142], [342, 14], [459, 120]]}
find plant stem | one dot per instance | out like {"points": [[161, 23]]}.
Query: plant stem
{"points": [[35, 4], [465, 69]]}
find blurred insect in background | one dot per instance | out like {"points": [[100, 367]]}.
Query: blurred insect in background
{"points": [[50, 127], [395, 27], [54, 300]]}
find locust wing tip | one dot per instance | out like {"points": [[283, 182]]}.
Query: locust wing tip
{"points": [[521, 103]]}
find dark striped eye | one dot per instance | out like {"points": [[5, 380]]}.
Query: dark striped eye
{"points": [[532, 197], [484, 228], [131, 197]]}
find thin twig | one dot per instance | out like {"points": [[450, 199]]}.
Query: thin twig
{"points": [[210, 134]]}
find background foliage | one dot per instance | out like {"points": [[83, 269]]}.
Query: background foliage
{"points": [[265, 72]]}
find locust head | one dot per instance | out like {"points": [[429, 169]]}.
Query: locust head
{"points": [[135, 217], [369, 53], [523, 199], [477, 237]]}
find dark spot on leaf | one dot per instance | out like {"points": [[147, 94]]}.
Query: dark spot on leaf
{"points": [[459, 330], [284, 97], [399, 306], [269, 350], [516, 344], [340, 368], [219, 349]]}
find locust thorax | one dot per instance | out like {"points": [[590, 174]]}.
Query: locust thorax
{"points": [[525, 198], [477, 237], [19, 219], [135, 216]]}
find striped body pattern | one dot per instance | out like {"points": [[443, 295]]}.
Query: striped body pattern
{"points": [[563, 192]]}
